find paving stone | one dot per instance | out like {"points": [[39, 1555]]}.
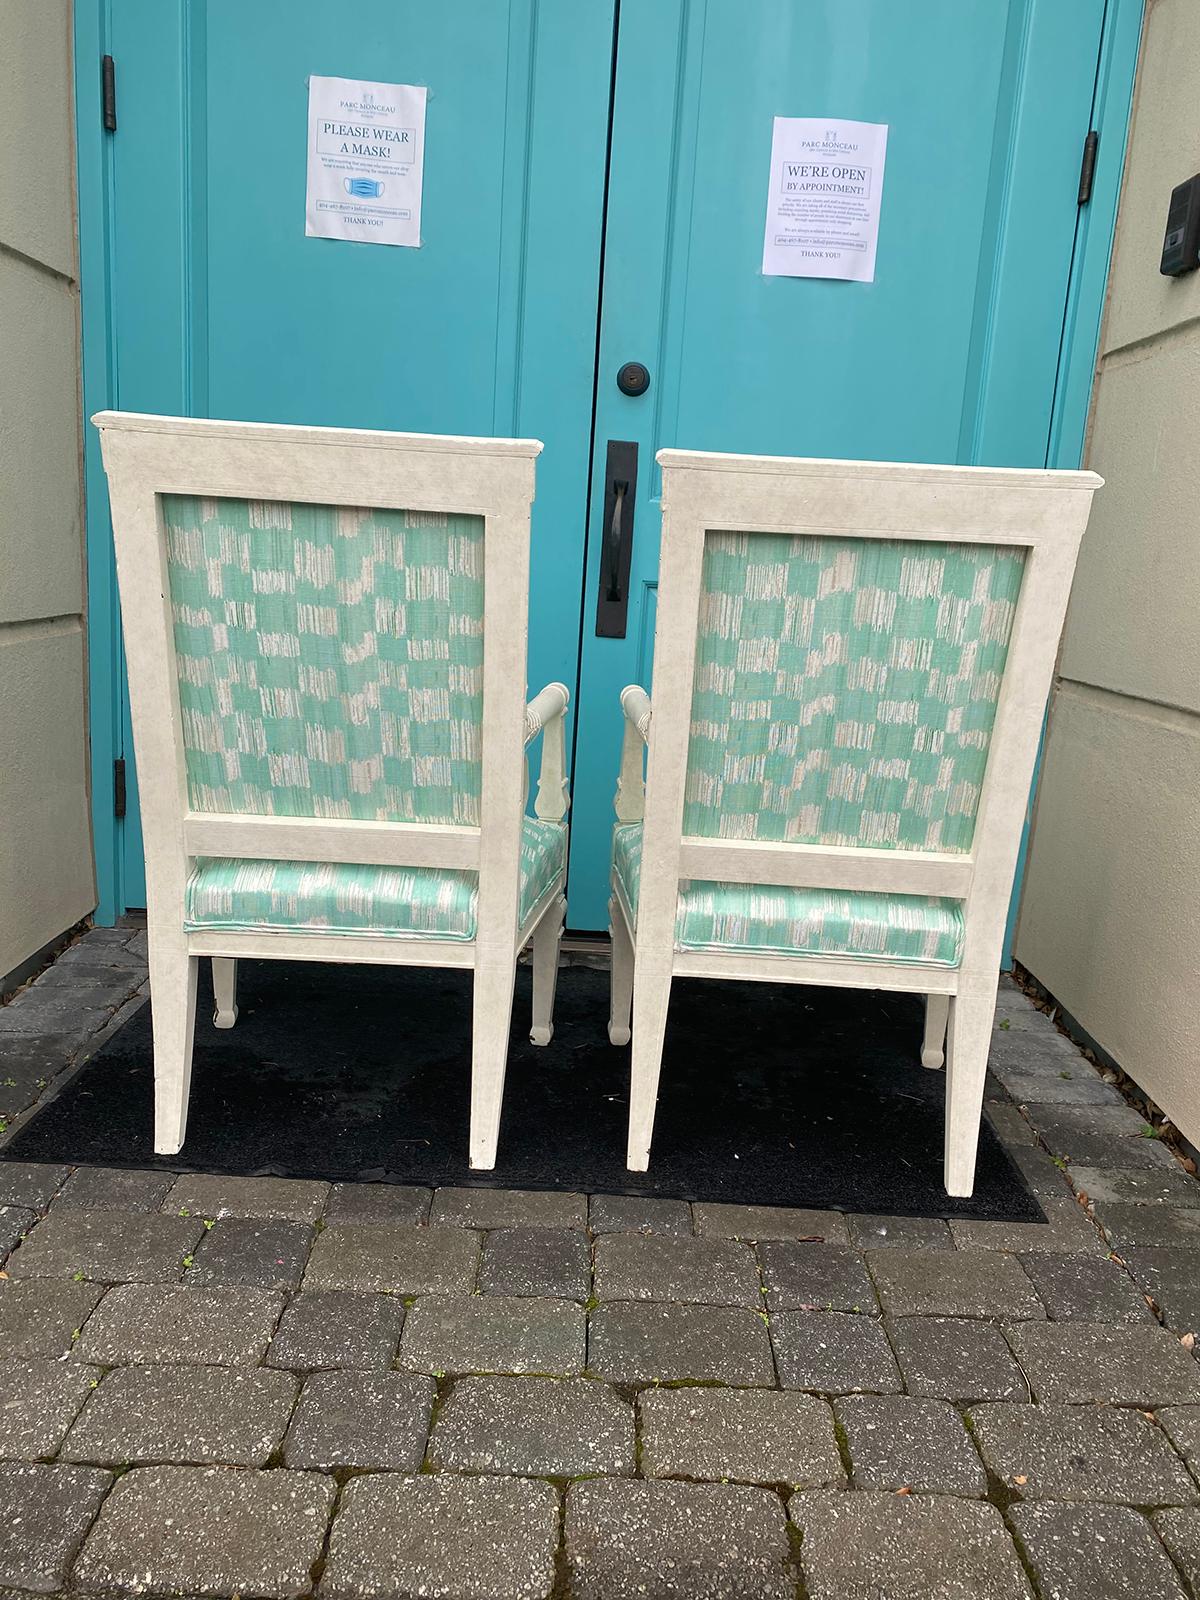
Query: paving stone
{"points": [[113, 1189], [1171, 1277], [266, 1255], [1180, 1532], [200, 1415], [951, 1358], [769, 1222], [44, 1514], [96, 982], [1137, 1186], [377, 1202], [1094, 1553], [494, 1333], [1042, 1174], [953, 1283], [201, 1194], [1086, 1288], [507, 1208], [1181, 1424], [57, 1011], [813, 1277], [1010, 1126], [29, 1185], [876, 1546], [743, 1435], [392, 1256], [833, 1352], [107, 1247], [638, 1266], [140, 1324], [1098, 1136], [554, 1262], [539, 1427], [1066, 1228], [486, 1538], [208, 1531], [898, 1442], [1077, 1362], [1128, 1226], [38, 1316], [39, 1400], [1068, 1087], [1060, 1452], [678, 1541], [872, 1232], [620, 1213], [647, 1343], [361, 1419], [14, 1225], [331, 1328], [92, 951]]}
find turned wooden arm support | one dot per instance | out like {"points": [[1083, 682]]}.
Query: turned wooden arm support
{"points": [[547, 710], [630, 800]]}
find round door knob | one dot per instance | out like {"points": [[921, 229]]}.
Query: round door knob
{"points": [[633, 378]]}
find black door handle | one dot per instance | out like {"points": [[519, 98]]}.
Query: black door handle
{"points": [[616, 555]]}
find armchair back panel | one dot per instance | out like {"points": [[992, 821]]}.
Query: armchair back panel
{"points": [[845, 689], [329, 659]]}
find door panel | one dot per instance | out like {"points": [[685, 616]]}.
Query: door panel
{"points": [[222, 307], [950, 355]]}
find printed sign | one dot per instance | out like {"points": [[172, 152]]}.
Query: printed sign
{"points": [[366, 158], [823, 202]]}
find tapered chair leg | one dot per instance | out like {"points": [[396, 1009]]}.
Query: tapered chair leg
{"points": [[547, 944], [173, 975], [621, 984], [968, 1040], [651, 998], [933, 1045], [224, 976], [491, 1022]]}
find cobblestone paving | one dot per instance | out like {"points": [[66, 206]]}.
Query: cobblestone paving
{"points": [[218, 1386]]}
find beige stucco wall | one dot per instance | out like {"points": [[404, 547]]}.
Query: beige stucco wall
{"points": [[46, 881], [1110, 916]]}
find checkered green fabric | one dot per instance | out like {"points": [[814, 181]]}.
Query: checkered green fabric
{"points": [[759, 919], [845, 689], [330, 659], [396, 902]]}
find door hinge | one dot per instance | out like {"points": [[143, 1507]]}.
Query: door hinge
{"points": [[108, 94], [1087, 170], [119, 787]]}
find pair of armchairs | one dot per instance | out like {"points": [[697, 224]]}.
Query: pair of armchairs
{"points": [[326, 636]]}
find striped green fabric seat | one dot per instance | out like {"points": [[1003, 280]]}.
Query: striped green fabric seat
{"points": [[759, 919], [393, 902]]}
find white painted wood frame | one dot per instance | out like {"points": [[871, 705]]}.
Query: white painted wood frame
{"points": [[146, 457], [1044, 513]]}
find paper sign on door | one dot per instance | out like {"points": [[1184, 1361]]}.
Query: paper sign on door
{"points": [[366, 158], [823, 205]]}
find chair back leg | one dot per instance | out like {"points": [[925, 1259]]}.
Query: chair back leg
{"points": [[933, 1045], [621, 983], [651, 998], [968, 1041], [173, 975], [224, 976], [495, 972], [547, 943]]}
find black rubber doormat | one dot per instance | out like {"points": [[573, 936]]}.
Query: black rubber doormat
{"points": [[774, 1095]]}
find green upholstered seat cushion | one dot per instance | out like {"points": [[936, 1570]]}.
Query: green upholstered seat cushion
{"points": [[761, 919], [330, 897]]}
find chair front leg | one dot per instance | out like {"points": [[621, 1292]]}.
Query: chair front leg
{"points": [[224, 976], [173, 975], [491, 1021], [933, 1045], [547, 943], [651, 998]]}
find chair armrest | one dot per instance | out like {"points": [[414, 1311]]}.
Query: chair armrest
{"points": [[547, 710], [629, 802], [635, 703]]}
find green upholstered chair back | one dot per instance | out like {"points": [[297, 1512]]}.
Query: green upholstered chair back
{"points": [[329, 659], [845, 688]]}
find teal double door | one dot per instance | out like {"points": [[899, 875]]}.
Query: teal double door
{"points": [[595, 191]]}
